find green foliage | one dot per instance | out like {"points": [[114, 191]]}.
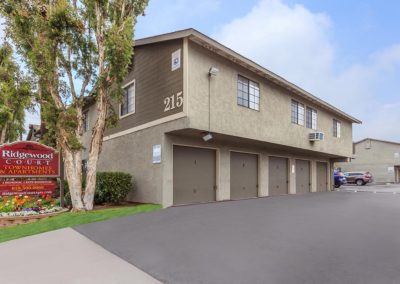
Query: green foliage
{"points": [[112, 187], [74, 48], [71, 220], [15, 96]]}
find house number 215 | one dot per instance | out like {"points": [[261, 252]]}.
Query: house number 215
{"points": [[173, 101]]}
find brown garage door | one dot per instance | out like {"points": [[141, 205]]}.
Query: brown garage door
{"points": [[302, 176], [194, 175], [278, 176], [244, 175], [322, 176]]}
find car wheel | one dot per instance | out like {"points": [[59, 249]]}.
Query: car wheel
{"points": [[359, 182], [337, 185]]}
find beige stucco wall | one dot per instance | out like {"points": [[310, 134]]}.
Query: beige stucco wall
{"points": [[272, 123], [133, 153], [376, 157]]}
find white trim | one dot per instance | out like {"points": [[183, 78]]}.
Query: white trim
{"points": [[185, 76], [144, 126], [132, 82]]}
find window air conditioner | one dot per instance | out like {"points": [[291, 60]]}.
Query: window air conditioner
{"points": [[316, 136]]}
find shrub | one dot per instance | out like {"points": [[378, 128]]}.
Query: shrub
{"points": [[112, 187]]}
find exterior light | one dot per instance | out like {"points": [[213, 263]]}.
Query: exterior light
{"points": [[207, 137], [213, 71]]}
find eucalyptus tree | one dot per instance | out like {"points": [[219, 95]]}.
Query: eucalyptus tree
{"points": [[15, 97], [75, 49]]}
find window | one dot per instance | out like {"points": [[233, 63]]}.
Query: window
{"points": [[86, 121], [336, 128], [84, 167], [297, 113], [248, 94], [128, 103], [311, 121]]}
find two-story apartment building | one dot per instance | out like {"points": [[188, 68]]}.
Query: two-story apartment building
{"points": [[199, 123]]}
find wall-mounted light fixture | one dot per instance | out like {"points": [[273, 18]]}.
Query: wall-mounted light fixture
{"points": [[208, 136], [213, 71]]}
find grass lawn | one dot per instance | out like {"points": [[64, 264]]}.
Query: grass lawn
{"points": [[71, 220]]}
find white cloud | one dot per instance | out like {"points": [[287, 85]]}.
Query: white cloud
{"points": [[298, 45], [278, 36]]}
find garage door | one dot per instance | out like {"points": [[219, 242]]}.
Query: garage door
{"points": [[244, 175], [322, 176], [278, 176], [194, 175], [302, 176]]}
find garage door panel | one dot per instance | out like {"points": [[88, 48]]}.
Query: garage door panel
{"points": [[322, 176], [302, 176], [244, 175], [278, 176], [194, 175]]}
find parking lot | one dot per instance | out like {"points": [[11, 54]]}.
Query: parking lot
{"points": [[372, 188], [330, 237]]}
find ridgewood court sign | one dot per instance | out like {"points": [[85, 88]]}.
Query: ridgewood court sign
{"points": [[31, 161]]}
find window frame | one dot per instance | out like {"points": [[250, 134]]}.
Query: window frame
{"points": [[86, 123], [125, 88], [337, 128], [296, 118], [311, 123], [253, 93]]}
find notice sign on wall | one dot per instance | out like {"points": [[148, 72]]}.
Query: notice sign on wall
{"points": [[28, 159], [176, 60], [27, 187], [157, 154]]}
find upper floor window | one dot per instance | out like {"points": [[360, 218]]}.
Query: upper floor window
{"points": [[128, 103], [336, 128], [86, 121], [248, 94], [311, 119], [297, 113]]}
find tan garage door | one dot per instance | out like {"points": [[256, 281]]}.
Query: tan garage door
{"points": [[302, 176], [322, 176], [278, 176], [194, 175], [244, 175]]}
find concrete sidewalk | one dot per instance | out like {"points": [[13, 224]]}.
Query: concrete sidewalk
{"points": [[64, 256]]}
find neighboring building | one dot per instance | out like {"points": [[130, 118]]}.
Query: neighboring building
{"points": [[381, 158], [34, 133], [183, 86]]}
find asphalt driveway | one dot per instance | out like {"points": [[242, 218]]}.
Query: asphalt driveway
{"points": [[334, 237]]}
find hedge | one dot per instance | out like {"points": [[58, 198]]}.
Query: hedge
{"points": [[111, 187]]}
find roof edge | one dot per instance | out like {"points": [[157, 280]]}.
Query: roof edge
{"points": [[190, 32], [379, 140]]}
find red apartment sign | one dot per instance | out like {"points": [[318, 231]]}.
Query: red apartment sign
{"points": [[28, 159]]}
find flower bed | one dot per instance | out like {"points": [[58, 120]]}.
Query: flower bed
{"points": [[12, 218], [23, 209]]}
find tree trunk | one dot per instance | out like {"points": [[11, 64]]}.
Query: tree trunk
{"points": [[95, 149], [3, 135], [73, 173]]}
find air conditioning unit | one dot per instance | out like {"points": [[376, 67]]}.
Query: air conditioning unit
{"points": [[316, 136]]}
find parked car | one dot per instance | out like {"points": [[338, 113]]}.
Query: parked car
{"points": [[339, 178], [359, 178]]}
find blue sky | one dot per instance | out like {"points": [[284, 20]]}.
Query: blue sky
{"points": [[345, 52]]}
